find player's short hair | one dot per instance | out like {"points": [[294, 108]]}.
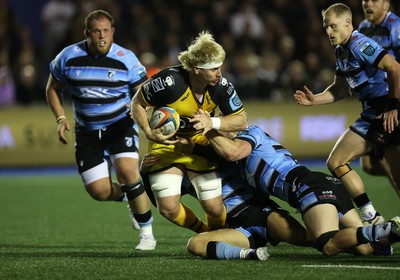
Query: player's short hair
{"points": [[339, 9], [203, 52], [97, 14]]}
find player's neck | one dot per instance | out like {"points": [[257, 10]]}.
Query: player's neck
{"points": [[197, 87]]}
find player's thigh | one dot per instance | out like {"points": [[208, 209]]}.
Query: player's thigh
{"points": [[348, 147], [127, 169], [351, 220], [321, 218], [282, 227]]}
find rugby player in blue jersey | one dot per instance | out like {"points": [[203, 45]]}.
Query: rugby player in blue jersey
{"points": [[253, 219], [383, 26], [100, 77], [271, 169], [374, 77]]}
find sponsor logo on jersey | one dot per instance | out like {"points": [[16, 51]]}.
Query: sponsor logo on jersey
{"points": [[169, 81], [368, 49], [120, 53], [157, 84]]}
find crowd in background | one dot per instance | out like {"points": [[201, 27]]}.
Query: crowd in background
{"points": [[273, 47]]}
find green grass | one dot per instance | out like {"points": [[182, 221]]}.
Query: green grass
{"points": [[51, 229]]}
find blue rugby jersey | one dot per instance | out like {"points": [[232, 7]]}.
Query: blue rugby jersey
{"points": [[236, 194], [386, 34], [357, 61], [268, 165], [98, 85]]}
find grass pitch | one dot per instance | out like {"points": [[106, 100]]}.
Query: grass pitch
{"points": [[51, 229]]}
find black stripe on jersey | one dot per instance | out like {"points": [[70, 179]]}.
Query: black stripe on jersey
{"points": [[102, 62], [359, 87], [96, 83], [278, 147], [84, 100], [259, 171], [271, 182], [375, 31], [101, 117], [353, 72]]}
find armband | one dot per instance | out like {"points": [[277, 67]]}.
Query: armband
{"points": [[216, 123], [392, 104], [60, 119]]}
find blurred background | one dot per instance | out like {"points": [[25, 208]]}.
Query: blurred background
{"points": [[273, 48]]}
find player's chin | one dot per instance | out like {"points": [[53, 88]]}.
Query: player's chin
{"points": [[103, 50]]}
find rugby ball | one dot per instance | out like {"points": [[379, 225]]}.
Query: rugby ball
{"points": [[165, 116]]}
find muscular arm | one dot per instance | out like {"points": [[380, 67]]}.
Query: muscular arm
{"points": [[54, 96], [55, 101], [231, 150], [392, 68], [332, 93], [234, 122], [139, 114], [229, 123]]}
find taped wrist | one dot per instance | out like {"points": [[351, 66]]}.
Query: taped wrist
{"points": [[134, 190]]}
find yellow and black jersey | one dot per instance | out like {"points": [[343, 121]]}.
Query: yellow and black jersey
{"points": [[171, 87]]}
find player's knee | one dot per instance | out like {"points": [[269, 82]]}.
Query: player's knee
{"points": [[193, 246], [132, 191], [339, 171], [98, 191], [322, 243]]}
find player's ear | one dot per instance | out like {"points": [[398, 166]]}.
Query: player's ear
{"points": [[86, 33]]}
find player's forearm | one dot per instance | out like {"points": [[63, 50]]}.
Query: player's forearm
{"points": [[325, 97], [55, 102], [234, 123], [224, 146], [139, 114]]}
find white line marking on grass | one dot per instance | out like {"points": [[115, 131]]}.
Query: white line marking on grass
{"points": [[352, 266]]}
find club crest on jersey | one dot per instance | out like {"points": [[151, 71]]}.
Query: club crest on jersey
{"points": [[111, 74], [368, 49], [128, 141]]}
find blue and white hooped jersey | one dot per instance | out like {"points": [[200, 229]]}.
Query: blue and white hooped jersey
{"points": [[386, 34], [99, 86], [236, 194], [357, 61], [268, 164]]}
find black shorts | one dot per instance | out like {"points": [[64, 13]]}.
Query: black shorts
{"points": [[92, 146], [252, 221], [319, 188]]}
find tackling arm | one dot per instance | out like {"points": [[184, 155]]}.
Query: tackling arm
{"points": [[231, 150]]}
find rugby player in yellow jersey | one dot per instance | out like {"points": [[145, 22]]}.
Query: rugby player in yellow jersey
{"points": [[196, 84]]}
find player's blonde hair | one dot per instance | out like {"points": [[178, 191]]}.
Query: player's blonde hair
{"points": [[339, 9], [202, 50]]}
